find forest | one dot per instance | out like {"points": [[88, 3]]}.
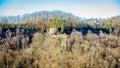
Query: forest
{"points": [[56, 39]]}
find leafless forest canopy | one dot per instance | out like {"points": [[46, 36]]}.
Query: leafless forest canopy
{"points": [[56, 39]]}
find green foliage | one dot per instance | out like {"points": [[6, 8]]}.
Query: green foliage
{"points": [[56, 23], [22, 26], [80, 25], [109, 28], [62, 28], [67, 28], [5, 26], [97, 26]]}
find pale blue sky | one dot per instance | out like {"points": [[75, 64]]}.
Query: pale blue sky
{"points": [[81, 8]]}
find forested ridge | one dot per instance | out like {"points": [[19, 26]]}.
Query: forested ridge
{"points": [[56, 39]]}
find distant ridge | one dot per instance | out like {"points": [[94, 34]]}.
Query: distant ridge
{"points": [[42, 15]]}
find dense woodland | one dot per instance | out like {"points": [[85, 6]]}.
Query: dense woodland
{"points": [[43, 19], [56, 39]]}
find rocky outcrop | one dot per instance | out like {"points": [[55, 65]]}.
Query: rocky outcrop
{"points": [[53, 30]]}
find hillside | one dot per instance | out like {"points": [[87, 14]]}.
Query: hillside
{"points": [[40, 15], [54, 39]]}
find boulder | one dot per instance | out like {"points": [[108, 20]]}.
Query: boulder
{"points": [[53, 30]]}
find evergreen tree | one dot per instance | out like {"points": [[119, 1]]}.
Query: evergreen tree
{"points": [[62, 28]]}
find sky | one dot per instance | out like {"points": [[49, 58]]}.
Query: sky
{"points": [[81, 8]]}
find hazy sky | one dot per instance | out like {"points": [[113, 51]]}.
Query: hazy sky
{"points": [[81, 8]]}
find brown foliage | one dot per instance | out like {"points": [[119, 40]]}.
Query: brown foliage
{"points": [[65, 51]]}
